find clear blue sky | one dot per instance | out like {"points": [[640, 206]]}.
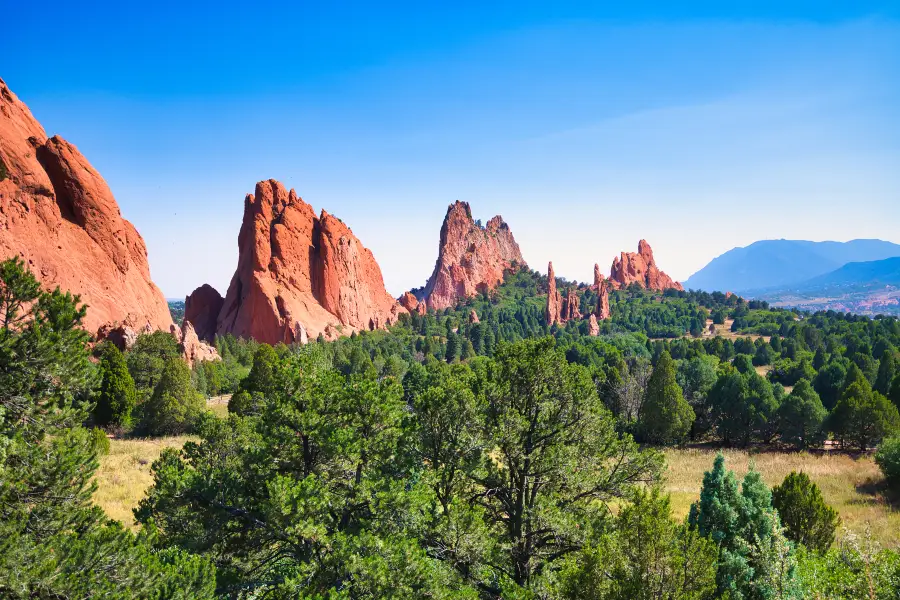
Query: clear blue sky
{"points": [[698, 127]]}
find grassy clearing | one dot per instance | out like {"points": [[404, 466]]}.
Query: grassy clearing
{"points": [[124, 474], [852, 485]]}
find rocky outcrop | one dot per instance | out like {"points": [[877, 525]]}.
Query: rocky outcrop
{"points": [[570, 309], [202, 309], [192, 349], [593, 326], [598, 277], [602, 310], [473, 317], [471, 258], [554, 299], [409, 301], [123, 334], [300, 275], [640, 268], [58, 214]]}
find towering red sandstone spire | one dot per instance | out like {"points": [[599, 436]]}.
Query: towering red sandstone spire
{"points": [[554, 299], [471, 258], [299, 275], [640, 268], [602, 310], [58, 214], [570, 310], [598, 277]]}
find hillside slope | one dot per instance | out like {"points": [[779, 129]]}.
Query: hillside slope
{"points": [[779, 263]]}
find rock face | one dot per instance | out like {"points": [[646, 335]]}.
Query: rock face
{"points": [[59, 216], [409, 301], [602, 310], [192, 348], [473, 317], [300, 275], [640, 268], [570, 310], [554, 298], [202, 309], [471, 258], [593, 326]]}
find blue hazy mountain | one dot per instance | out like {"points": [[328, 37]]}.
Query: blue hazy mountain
{"points": [[858, 274], [768, 264]]}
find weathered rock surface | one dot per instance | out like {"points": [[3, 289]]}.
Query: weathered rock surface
{"points": [[571, 311], [554, 298], [299, 275], [598, 277], [602, 309], [471, 258], [202, 309], [593, 326], [640, 268], [192, 348], [473, 317], [58, 214], [409, 301], [123, 335]]}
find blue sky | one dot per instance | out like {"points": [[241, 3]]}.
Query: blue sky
{"points": [[699, 127]]}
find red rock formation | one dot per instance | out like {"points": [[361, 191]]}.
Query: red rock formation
{"points": [[202, 309], [640, 268], [602, 310], [471, 258], [409, 301], [593, 326], [554, 299], [58, 214], [598, 278], [473, 317], [123, 335], [192, 348], [570, 310], [300, 275]]}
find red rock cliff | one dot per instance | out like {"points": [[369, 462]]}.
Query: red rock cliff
{"points": [[471, 258], [640, 268], [299, 275], [58, 214]]}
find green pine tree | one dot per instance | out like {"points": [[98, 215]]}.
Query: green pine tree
{"points": [[55, 542], [802, 416], [887, 370], [666, 417], [808, 520], [117, 396], [175, 405]]}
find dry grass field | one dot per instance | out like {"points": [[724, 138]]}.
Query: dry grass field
{"points": [[853, 486], [124, 474]]}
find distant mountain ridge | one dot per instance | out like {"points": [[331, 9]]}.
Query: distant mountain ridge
{"points": [[772, 264], [874, 272]]}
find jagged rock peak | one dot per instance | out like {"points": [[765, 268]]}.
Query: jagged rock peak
{"points": [[300, 275], [554, 298], [58, 214], [571, 310], [602, 310], [471, 258], [640, 268]]}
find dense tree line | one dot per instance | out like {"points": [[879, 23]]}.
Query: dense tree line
{"points": [[443, 458]]}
